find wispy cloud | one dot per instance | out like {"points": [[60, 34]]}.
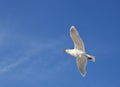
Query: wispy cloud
{"points": [[21, 58], [29, 49], [10, 66]]}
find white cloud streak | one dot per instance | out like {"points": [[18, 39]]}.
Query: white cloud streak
{"points": [[34, 48], [29, 54]]}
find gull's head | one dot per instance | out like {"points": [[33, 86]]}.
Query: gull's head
{"points": [[68, 51], [65, 51]]}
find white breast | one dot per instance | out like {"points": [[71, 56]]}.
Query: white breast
{"points": [[76, 52]]}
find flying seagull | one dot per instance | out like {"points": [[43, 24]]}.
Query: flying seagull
{"points": [[79, 51]]}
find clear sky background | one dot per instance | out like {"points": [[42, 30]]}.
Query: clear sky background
{"points": [[34, 33]]}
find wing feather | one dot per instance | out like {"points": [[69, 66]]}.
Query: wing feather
{"points": [[78, 43], [81, 63]]}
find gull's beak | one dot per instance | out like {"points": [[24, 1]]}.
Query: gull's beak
{"points": [[64, 50]]}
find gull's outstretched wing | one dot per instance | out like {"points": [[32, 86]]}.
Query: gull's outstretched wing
{"points": [[78, 43], [81, 63]]}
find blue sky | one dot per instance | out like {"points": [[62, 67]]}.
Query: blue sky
{"points": [[34, 33]]}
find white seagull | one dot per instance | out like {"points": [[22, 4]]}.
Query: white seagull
{"points": [[79, 51]]}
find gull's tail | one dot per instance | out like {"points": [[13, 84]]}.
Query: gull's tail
{"points": [[91, 58]]}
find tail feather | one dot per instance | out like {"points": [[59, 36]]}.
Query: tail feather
{"points": [[91, 58]]}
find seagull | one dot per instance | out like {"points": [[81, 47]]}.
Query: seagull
{"points": [[79, 51]]}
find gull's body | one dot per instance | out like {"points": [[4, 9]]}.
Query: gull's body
{"points": [[79, 51]]}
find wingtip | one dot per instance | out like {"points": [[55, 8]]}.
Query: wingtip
{"points": [[72, 27], [83, 74]]}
